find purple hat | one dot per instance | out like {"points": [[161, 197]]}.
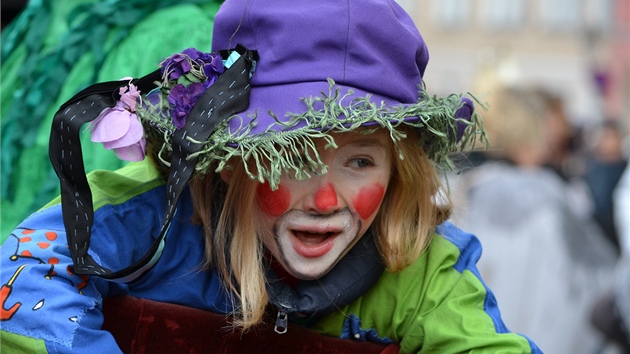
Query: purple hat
{"points": [[369, 46], [282, 73], [319, 67], [329, 66]]}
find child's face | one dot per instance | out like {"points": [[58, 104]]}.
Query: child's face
{"points": [[310, 225]]}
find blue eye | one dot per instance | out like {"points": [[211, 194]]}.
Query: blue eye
{"points": [[361, 162]]}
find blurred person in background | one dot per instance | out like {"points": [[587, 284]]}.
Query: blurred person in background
{"points": [[605, 166], [565, 154], [546, 263], [563, 139], [621, 204], [622, 220], [611, 313]]}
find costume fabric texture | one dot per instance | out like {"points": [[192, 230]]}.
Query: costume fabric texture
{"points": [[146, 326], [46, 306]]}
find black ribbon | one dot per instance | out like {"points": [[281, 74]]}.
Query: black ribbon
{"points": [[227, 96]]}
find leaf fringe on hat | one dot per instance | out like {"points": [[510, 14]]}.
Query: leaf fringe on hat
{"points": [[289, 146]]}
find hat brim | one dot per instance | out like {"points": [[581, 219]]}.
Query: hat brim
{"points": [[273, 108]]}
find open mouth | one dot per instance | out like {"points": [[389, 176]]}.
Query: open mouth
{"points": [[312, 238], [312, 244]]}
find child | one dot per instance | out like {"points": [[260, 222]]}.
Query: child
{"points": [[292, 176]]}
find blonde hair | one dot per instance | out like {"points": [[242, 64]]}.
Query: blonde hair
{"points": [[238, 260], [410, 212], [516, 125], [403, 226]]}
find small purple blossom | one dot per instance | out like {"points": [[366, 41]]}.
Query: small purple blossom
{"points": [[213, 67], [176, 66], [189, 74], [182, 63], [182, 99]]}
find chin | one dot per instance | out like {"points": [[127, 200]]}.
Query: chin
{"points": [[306, 272]]}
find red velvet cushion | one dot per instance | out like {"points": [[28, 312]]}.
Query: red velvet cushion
{"points": [[145, 326]]}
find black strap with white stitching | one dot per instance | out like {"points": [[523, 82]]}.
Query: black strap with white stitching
{"points": [[227, 96]]}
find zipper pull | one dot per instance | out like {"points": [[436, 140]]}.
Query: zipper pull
{"points": [[281, 322]]}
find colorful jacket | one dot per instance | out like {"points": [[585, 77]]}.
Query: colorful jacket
{"points": [[439, 304]]}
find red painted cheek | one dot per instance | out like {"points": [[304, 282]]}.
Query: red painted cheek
{"points": [[272, 203], [326, 197], [368, 200]]}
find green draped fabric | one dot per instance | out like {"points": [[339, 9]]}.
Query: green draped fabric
{"points": [[52, 50]]}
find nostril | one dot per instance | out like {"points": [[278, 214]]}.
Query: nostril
{"points": [[326, 198]]}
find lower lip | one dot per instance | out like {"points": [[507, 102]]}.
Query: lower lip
{"points": [[313, 250]]}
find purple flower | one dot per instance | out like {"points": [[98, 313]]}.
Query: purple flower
{"points": [[196, 55], [182, 99], [188, 74], [180, 64], [213, 67], [175, 66]]}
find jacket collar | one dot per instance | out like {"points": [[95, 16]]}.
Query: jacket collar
{"points": [[354, 275]]}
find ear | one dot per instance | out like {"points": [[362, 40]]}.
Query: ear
{"points": [[226, 175]]}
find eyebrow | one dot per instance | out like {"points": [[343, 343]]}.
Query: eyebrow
{"points": [[368, 142]]}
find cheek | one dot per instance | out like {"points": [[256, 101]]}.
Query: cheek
{"points": [[272, 203], [367, 201]]}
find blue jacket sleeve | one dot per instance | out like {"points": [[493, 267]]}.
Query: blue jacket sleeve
{"points": [[43, 302]]}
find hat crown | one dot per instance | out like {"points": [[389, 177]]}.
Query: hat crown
{"points": [[371, 45]]}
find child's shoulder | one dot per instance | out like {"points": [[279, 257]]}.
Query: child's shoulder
{"points": [[116, 187]]}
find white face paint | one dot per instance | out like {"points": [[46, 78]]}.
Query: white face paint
{"points": [[310, 245], [308, 226]]}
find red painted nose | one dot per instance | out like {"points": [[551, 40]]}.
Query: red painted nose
{"points": [[326, 198]]}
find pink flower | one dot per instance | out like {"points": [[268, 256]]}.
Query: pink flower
{"points": [[119, 129]]}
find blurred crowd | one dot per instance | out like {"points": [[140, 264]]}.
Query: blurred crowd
{"points": [[549, 201]]}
